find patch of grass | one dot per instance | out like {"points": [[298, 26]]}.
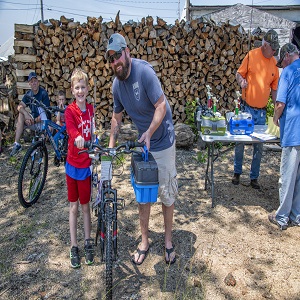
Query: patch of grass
{"points": [[202, 156], [17, 160], [25, 232], [21, 237]]}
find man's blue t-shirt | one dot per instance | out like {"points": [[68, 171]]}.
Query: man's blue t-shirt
{"points": [[137, 95], [41, 96], [288, 92]]}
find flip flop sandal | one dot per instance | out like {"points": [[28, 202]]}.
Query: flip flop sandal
{"points": [[140, 252], [169, 251]]}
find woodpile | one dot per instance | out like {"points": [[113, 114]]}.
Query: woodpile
{"points": [[8, 109], [187, 56]]}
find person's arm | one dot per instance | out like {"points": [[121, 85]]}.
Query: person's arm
{"points": [[58, 118], [278, 109], [58, 115], [159, 114], [274, 96], [115, 128], [72, 130], [28, 117], [241, 81]]}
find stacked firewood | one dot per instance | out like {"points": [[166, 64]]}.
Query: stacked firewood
{"points": [[187, 56]]}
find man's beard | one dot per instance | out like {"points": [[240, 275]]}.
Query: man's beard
{"points": [[123, 74]]}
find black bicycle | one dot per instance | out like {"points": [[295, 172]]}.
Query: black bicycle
{"points": [[34, 167], [106, 203]]}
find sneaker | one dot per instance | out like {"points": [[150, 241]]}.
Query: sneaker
{"points": [[254, 183], [15, 150], [74, 256], [294, 223], [89, 251], [272, 219], [236, 179]]}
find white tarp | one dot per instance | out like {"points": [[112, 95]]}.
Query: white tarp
{"points": [[7, 49]]}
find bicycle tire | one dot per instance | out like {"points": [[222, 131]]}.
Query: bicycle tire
{"points": [[108, 250], [33, 173]]}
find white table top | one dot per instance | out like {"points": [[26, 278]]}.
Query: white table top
{"points": [[238, 138]]}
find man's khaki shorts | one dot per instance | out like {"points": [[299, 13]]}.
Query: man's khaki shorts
{"points": [[168, 187]]}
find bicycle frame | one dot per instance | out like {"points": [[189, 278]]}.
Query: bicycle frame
{"points": [[53, 139], [107, 204], [109, 197]]}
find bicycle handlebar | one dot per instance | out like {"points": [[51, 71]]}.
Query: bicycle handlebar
{"points": [[50, 109], [111, 151]]}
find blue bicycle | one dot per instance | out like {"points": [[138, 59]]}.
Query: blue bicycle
{"points": [[34, 167]]}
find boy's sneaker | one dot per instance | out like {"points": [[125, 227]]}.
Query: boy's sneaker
{"points": [[89, 251], [15, 150], [74, 256]]}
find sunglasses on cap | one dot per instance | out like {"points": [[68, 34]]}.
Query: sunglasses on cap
{"points": [[115, 56]]}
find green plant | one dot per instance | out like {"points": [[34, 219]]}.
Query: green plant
{"points": [[106, 141], [218, 145], [202, 156], [190, 110], [270, 108]]}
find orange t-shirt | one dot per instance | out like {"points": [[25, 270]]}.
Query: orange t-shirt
{"points": [[261, 74]]}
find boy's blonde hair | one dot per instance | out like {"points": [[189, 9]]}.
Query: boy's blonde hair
{"points": [[77, 75]]}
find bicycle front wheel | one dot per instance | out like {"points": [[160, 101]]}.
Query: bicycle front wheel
{"points": [[108, 250], [32, 175]]}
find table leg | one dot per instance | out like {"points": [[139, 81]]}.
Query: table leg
{"points": [[212, 183], [207, 180], [209, 176]]}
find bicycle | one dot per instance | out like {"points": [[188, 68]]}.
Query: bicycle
{"points": [[34, 167], [107, 203]]}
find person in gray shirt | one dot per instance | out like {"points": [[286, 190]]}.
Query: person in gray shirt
{"points": [[137, 90]]}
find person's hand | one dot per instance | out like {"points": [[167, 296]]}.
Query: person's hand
{"points": [[243, 83], [29, 120], [79, 142], [276, 121], [60, 104], [146, 139]]}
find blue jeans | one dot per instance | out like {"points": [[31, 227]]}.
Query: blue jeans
{"points": [[259, 118], [289, 186]]}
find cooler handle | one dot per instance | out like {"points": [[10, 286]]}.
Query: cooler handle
{"points": [[145, 153]]}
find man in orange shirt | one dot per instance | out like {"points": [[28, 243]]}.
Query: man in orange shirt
{"points": [[257, 76]]}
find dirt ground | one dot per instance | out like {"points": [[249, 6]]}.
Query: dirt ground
{"points": [[233, 242]]}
